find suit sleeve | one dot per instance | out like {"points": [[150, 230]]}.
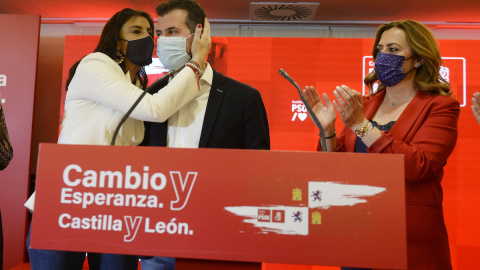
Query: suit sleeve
{"points": [[426, 152], [256, 134], [97, 80]]}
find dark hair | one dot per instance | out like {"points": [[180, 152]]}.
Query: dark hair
{"points": [[196, 14], [108, 43], [425, 50]]}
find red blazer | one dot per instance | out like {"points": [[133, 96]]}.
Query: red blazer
{"points": [[426, 133]]}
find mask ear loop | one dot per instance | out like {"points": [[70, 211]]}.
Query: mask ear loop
{"points": [[417, 65]]}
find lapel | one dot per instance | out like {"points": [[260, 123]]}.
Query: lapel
{"points": [[215, 98], [410, 115]]}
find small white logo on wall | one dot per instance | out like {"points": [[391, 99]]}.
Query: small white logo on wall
{"points": [[156, 67], [3, 82], [299, 110], [445, 73]]}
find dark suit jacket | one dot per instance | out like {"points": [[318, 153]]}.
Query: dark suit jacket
{"points": [[426, 134], [235, 118]]}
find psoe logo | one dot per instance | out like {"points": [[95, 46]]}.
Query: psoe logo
{"points": [[278, 216], [263, 215], [299, 110], [269, 215], [445, 73]]}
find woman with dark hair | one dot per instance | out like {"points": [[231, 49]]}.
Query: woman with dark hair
{"points": [[410, 113], [6, 155], [100, 90]]}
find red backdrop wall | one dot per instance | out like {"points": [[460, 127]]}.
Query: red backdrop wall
{"points": [[18, 62], [326, 63]]}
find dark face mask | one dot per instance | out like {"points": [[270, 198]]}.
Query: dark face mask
{"points": [[388, 68], [139, 51]]}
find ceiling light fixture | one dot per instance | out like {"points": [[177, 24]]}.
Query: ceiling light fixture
{"points": [[278, 11]]}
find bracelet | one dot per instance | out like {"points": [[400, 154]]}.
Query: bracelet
{"points": [[331, 136], [197, 66], [197, 63], [360, 132], [196, 71], [369, 130], [193, 66]]}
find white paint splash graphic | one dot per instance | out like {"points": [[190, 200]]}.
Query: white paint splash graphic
{"points": [[295, 220], [327, 194]]}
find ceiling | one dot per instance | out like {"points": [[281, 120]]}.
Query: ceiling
{"points": [[440, 12]]}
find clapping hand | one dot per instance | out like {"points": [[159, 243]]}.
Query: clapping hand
{"points": [[323, 109], [476, 106], [349, 105]]}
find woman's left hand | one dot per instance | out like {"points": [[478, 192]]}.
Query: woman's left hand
{"points": [[476, 106], [349, 105], [201, 43]]}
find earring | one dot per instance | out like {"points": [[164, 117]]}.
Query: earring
{"points": [[120, 58], [417, 65]]}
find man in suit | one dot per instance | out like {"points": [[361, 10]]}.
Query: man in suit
{"points": [[229, 115]]}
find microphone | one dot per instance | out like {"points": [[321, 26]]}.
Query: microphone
{"points": [[155, 86], [309, 109]]}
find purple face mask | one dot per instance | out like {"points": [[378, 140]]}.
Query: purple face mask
{"points": [[388, 68]]}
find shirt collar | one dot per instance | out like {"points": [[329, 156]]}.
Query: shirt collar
{"points": [[207, 76]]}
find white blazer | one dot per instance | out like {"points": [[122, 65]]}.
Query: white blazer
{"points": [[100, 94]]}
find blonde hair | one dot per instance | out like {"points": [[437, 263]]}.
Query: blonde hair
{"points": [[425, 50]]}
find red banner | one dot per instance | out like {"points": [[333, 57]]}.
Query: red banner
{"points": [[260, 206], [18, 67]]}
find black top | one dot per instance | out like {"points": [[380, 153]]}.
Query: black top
{"points": [[360, 147], [6, 151]]}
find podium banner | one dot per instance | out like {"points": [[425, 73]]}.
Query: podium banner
{"points": [[236, 205]]}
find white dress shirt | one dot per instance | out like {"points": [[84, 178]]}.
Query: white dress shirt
{"points": [[185, 126]]}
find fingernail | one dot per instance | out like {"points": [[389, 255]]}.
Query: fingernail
{"points": [[199, 26]]}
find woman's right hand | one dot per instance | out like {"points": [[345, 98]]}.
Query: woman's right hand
{"points": [[476, 106], [201, 43], [325, 113]]}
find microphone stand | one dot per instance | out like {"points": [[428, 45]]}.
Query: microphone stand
{"points": [[155, 86], [309, 109]]}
